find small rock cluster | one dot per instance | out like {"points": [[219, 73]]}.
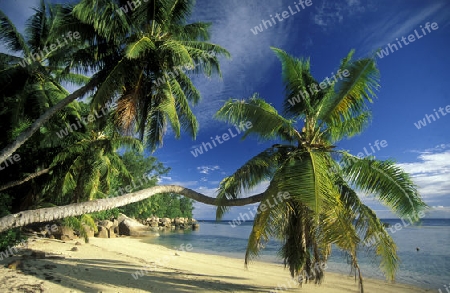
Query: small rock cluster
{"points": [[168, 223], [123, 225]]}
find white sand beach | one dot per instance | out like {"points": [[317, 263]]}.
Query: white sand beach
{"points": [[107, 265]]}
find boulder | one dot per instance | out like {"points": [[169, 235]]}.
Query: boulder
{"points": [[121, 218], [152, 222], [179, 221], [64, 233], [102, 232], [166, 222], [131, 227], [107, 224], [115, 227], [111, 233]]}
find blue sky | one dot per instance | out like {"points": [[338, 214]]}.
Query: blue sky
{"points": [[413, 83]]}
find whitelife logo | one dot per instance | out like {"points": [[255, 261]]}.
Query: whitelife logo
{"points": [[242, 127], [285, 14], [282, 196], [39, 56], [85, 120], [411, 38], [423, 123], [323, 85]]}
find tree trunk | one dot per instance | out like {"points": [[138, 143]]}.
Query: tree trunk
{"points": [[18, 182], [49, 214], [24, 136]]}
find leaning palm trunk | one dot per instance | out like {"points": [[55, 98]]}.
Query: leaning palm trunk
{"points": [[24, 136], [28, 178], [49, 214]]}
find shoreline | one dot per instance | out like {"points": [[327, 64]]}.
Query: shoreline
{"points": [[267, 259], [112, 265]]}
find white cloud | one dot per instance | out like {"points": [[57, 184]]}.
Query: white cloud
{"points": [[329, 14], [397, 25], [196, 146], [207, 169], [190, 184], [353, 2], [249, 52], [212, 192], [440, 147], [431, 172]]}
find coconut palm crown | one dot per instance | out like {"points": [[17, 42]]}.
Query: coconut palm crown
{"points": [[147, 56], [323, 207]]}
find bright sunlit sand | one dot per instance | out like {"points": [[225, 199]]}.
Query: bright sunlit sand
{"points": [[107, 265]]}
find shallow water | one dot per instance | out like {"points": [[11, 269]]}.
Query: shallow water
{"points": [[428, 268]]}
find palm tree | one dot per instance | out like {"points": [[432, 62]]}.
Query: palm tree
{"points": [[85, 169], [146, 66], [31, 86], [28, 89], [105, 50], [127, 53], [323, 207]]}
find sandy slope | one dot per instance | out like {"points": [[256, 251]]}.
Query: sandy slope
{"points": [[107, 265]]}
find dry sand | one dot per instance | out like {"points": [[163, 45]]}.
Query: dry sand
{"points": [[107, 265]]}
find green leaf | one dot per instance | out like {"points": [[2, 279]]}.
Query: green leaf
{"points": [[388, 182]]}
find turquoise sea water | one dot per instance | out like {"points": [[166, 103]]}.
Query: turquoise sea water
{"points": [[428, 268]]}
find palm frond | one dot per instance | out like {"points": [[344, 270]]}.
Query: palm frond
{"points": [[177, 51], [297, 81], [139, 48], [168, 107], [372, 231], [195, 31], [189, 90], [388, 182], [265, 120], [180, 10], [74, 78], [259, 168], [103, 17], [187, 119], [12, 39], [111, 85], [351, 92], [348, 128], [263, 226], [155, 127], [306, 176], [37, 28]]}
